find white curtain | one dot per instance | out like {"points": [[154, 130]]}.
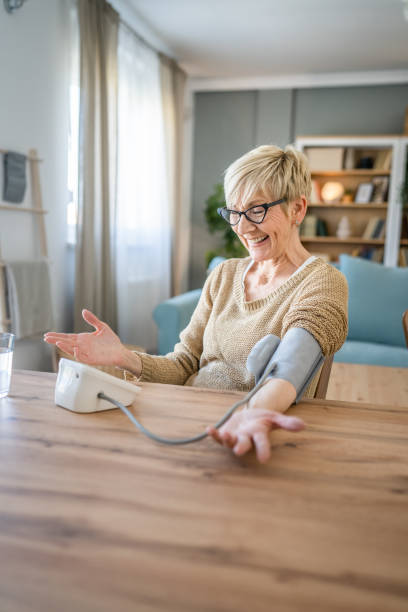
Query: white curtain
{"points": [[143, 208], [95, 273], [173, 85]]}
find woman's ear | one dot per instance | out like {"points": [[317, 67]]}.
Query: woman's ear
{"points": [[299, 209]]}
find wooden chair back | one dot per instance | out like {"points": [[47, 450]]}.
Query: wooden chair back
{"points": [[324, 377]]}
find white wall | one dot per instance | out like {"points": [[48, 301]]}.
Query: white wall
{"points": [[34, 104]]}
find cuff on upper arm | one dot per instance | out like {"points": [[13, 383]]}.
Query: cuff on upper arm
{"points": [[296, 358]]}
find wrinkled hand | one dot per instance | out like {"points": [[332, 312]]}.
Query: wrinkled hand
{"points": [[251, 428], [101, 347]]}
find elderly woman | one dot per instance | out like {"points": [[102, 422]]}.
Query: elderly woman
{"points": [[280, 293]]}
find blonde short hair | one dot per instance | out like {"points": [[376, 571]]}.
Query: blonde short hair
{"points": [[273, 172]]}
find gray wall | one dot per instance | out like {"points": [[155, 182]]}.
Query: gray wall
{"points": [[227, 124], [34, 113]]}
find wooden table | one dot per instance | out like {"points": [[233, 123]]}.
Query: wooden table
{"points": [[95, 517], [352, 382]]}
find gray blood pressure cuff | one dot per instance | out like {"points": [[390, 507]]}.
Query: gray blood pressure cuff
{"points": [[296, 358]]}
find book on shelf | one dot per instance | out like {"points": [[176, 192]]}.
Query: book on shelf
{"points": [[403, 258], [315, 196], [370, 253], [349, 159], [375, 228], [321, 228], [379, 230], [370, 227], [404, 226], [309, 226], [378, 255], [383, 160], [325, 158], [380, 189]]}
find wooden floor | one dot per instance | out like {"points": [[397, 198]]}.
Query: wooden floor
{"points": [[367, 383]]}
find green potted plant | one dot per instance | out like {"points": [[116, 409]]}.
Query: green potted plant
{"points": [[232, 247]]}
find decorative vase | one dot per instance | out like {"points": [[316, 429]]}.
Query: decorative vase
{"points": [[343, 228]]}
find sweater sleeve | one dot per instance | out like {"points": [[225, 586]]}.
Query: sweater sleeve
{"points": [[320, 307], [176, 367]]}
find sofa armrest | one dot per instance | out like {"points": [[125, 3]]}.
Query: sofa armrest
{"points": [[378, 296], [172, 316]]}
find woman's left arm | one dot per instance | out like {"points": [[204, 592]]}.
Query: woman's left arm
{"points": [[250, 428], [321, 309]]}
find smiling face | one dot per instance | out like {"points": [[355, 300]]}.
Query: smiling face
{"points": [[264, 175], [269, 239]]}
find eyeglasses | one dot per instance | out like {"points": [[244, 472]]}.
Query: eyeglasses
{"points": [[255, 214]]}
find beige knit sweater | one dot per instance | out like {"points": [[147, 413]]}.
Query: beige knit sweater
{"points": [[213, 348]]}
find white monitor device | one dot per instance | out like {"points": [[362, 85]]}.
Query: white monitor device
{"points": [[78, 386]]}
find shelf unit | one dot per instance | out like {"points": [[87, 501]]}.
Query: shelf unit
{"points": [[357, 172], [23, 209], [357, 213], [334, 240], [38, 211], [353, 205]]}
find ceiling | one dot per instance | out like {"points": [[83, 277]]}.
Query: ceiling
{"points": [[266, 38]]}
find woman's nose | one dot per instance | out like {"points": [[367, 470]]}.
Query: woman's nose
{"points": [[243, 224]]}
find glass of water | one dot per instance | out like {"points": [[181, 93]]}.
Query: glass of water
{"points": [[6, 357]]}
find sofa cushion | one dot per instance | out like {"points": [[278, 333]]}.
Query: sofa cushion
{"points": [[378, 296], [172, 316], [372, 353], [214, 263]]}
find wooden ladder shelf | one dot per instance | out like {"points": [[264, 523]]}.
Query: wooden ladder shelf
{"points": [[37, 210]]}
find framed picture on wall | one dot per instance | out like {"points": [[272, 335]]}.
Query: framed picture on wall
{"points": [[364, 193]]}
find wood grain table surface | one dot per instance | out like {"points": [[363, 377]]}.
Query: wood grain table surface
{"points": [[96, 517], [354, 382]]}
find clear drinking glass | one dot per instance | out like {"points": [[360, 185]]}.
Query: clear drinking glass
{"points": [[6, 357]]}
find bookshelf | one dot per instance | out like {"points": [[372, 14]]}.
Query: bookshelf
{"points": [[356, 185], [352, 173]]}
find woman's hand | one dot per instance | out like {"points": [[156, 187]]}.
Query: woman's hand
{"points": [[101, 347], [251, 428]]}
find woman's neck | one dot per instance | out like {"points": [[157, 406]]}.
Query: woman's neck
{"points": [[280, 267]]}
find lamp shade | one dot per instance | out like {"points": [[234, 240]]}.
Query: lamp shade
{"points": [[332, 192]]}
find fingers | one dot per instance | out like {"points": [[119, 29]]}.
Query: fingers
{"points": [[262, 446], [229, 439], [211, 431], [224, 438], [243, 445], [50, 340], [89, 317], [66, 348], [255, 433], [290, 423], [92, 319], [53, 337]]}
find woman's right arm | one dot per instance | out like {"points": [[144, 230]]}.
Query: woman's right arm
{"points": [[101, 347]]}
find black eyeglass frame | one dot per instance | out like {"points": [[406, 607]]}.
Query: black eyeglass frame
{"points": [[240, 213]]}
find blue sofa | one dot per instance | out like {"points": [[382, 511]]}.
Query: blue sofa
{"points": [[378, 296]]}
